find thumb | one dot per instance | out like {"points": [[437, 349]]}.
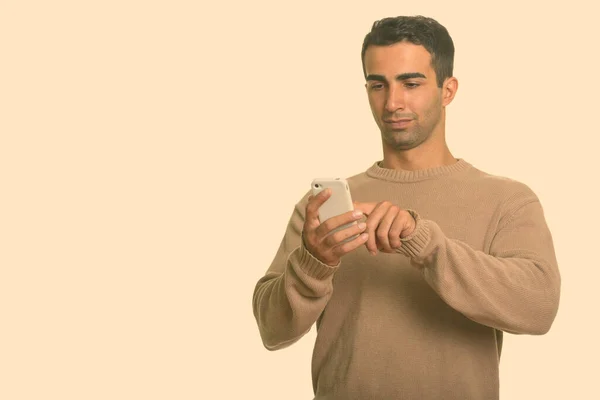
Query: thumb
{"points": [[366, 208]]}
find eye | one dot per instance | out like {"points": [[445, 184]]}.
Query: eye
{"points": [[411, 85], [377, 86]]}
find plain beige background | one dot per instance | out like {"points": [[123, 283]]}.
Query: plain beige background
{"points": [[151, 154]]}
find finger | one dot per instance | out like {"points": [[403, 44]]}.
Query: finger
{"points": [[342, 235], [373, 222], [329, 249], [333, 223], [351, 245], [366, 208], [312, 207], [409, 226], [398, 226], [383, 230]]}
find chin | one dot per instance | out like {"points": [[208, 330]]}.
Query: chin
{"points": [[402, 145], [401, 140]]}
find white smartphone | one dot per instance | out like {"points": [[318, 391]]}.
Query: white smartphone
{"points": [[338, 203]]}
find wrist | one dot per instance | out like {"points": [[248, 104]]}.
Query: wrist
{"points": [[414, 243]]}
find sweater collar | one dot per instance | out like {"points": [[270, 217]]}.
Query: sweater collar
{"points": [[394, 175]]}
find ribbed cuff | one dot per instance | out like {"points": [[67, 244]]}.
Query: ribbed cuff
{"points": [[312, 266], [413, 245]]}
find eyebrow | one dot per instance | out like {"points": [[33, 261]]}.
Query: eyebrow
{"points": [[401, 77]]}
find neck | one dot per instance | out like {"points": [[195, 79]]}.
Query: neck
{"points": [[425, 156]]}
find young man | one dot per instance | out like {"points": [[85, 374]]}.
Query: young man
{"points": [[449, 258]]}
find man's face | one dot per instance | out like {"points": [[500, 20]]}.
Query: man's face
{"points": [[403, 93]]}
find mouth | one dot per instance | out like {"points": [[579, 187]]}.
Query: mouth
{"points": [[398, 123]]}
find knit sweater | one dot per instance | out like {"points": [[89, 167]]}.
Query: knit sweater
{"points": [[427, 321]]}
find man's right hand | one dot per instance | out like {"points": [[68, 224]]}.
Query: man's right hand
{"points": [[329, 248]]}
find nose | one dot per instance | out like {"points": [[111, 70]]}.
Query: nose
{"points": [[394, 100]]}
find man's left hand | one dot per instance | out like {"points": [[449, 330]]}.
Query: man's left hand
{"points": [[386, 225]]}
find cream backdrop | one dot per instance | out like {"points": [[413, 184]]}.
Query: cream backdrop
{"points": [[152, 152]]}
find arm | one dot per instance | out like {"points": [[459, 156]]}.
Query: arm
{"points": [[514, 288], [291, 296]]}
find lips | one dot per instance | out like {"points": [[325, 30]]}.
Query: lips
{"points": [[398, 123]]}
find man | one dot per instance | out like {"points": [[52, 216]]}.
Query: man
{"points": [[449, 258]]}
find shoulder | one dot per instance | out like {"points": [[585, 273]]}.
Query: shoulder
{"points": [[510, 193]]}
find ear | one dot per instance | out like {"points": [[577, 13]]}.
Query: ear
{"points": [[449, 89]]}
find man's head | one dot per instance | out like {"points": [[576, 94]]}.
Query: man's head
{"points": [[418, 30], [408, 62]]}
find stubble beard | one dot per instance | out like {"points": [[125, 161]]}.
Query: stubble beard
{"points": [[404, 139], [409, 138]]}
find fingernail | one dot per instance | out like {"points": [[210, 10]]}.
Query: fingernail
{"points": [[357, 213], [362, 226]]}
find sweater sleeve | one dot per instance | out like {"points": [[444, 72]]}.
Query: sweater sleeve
{"points": [[515, 287], [293, 293]]}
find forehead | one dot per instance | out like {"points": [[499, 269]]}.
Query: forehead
{"points": [[397, 58]]}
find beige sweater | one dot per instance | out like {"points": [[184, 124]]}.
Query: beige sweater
{"points": [[425, 323]]}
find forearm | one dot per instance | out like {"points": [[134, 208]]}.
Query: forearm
{"points": [[291, 296], [515, 288], [287, 305]]}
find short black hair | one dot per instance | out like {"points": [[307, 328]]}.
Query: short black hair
{"points": [[419, 30]]}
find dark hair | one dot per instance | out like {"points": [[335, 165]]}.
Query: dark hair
{"points": [[419, 30]]}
